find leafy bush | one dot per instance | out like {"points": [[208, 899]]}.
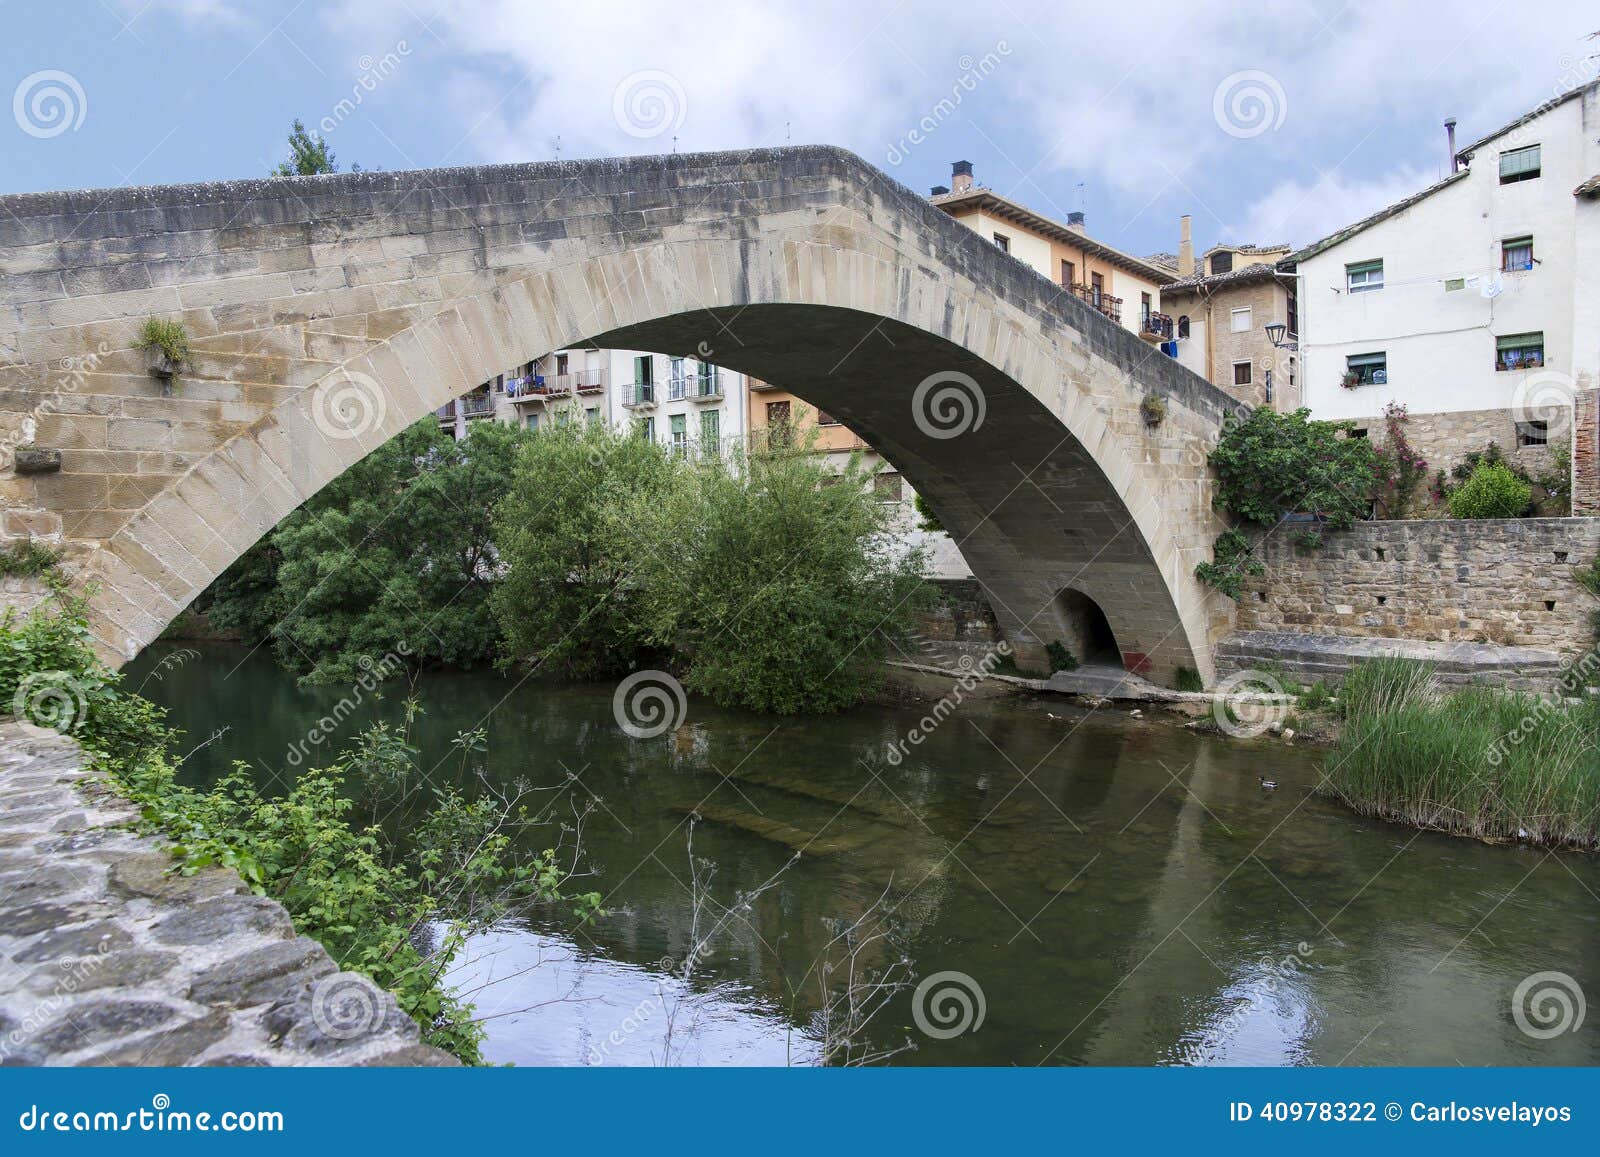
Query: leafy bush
{"points": [[1061, 659], [1188, 679], [1231, 563], [1272, 464], [28, 559], [571, 533], [168, 337], [1492, 491], [393, 557], [774, 581], [926, 518]]}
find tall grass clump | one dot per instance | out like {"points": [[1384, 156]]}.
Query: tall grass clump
{"points": [[1482, 761]]}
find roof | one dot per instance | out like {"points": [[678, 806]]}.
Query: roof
{"points": [[1464, 155], [1537, 111], [1007, 209], [1383, 214], [1219, 248], [1165, 260], [1258, 271], [1590, 188]]}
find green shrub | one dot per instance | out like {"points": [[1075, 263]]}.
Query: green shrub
{"points": [[1061, 659], [1231, 563], [1492, 491], [1188, 679], [1270, 464], [169, 337], [28, 559]]}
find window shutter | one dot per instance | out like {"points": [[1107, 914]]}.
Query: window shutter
{"points": [[1519, 161]]}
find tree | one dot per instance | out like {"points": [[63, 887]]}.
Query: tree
{"points": [[778, 584], [394, 557], [569, 531], [1270, 464], [309, 155]]}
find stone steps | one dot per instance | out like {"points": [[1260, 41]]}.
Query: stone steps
{"points": [[1314, 658]]}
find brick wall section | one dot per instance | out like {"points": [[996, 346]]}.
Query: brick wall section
{"points": [[1446, 439], [1436, 580], [1586, 453]]}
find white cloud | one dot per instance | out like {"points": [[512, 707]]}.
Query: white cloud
{"points": [[1300, 212]]}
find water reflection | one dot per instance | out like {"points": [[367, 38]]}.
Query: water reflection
{"points": [[1120, 889]]}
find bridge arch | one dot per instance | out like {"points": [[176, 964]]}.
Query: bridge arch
{"points": [[329, 313]]}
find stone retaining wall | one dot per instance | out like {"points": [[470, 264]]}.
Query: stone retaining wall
{"points": [[107, 958], [1504, 581]]}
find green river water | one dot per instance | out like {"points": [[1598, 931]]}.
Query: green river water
{"points": [[1111, 889]]}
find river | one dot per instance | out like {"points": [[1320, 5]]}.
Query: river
{"points": [[1101, 888]]}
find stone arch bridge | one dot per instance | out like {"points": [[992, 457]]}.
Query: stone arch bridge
{"points": [[327, 313]]}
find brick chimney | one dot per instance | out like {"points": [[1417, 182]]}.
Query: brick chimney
{"points": [[1185, 248], [961, 176], [1075, 222]]}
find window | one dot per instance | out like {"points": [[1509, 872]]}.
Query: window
{"points": [[1366, 369], [561, 364], [1069, 273], [1533, 433], [1097, 286], [1519, 351], [1364, 276], [1359, 432], [887, 486], [647, 429], [1144, 307], [1222, 263], [533, 421], [680, 433], [1293, 320], [677, 383], [710, 432], [826, 419], [1239, 320], [644, 370], [1003, 242], [1241, 373], [1519, 164], [1183, 326], [591, 414], [778, 431], [1516, 253]]}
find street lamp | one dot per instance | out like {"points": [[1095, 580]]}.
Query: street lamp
{"points": [[1275, 334]]}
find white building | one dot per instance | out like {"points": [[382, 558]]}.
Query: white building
{"points": [[1475, 303]]}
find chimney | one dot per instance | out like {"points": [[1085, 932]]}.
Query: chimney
{"points": [[961, 176], [1450, 137], [1075, 222], [1185, 248], [940, 190]]}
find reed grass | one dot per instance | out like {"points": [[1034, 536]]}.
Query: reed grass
{"points": [[1482, 761]]}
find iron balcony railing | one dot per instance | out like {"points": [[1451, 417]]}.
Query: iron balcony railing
{"points": [[1100, 299], [708, 384], [1157, 325], [643, 394]]}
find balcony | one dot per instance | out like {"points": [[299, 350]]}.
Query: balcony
{"points": [[707, 387], [1099, 298], [677, 389], [1155, 327], [642, 397], [471, 406]]}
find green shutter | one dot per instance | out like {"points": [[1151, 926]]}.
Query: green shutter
{"points": [[1357, 361], [710, 428], [1365, 266], [678, 424], [1519, 161], [641, 370], [1517, 341]]}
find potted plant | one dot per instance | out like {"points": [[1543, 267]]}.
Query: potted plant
{"points": [[1351, 379], [166, 344]]}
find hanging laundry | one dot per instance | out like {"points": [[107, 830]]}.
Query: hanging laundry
{"points": [[1493, 288], [1451, 284]]}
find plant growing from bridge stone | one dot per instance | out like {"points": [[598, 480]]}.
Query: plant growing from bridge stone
{"points": [[167, 342]]}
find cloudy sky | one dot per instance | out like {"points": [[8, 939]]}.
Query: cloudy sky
{"points": [[1267, 121]]}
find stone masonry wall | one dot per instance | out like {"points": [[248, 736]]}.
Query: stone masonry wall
{"points": [[107, 958], [1508, 582], [1446, 439], [1586, 453]]}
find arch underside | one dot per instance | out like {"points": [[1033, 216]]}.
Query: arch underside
{"points": [[802, 267]]}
